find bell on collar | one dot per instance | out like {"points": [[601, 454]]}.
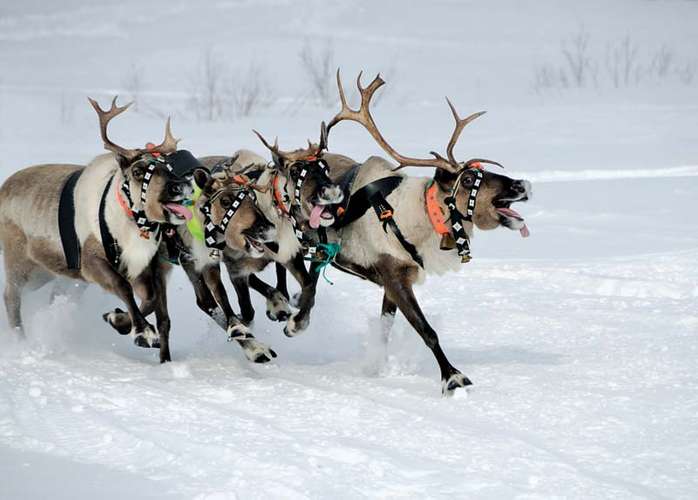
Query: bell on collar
{"points": [[144, 233], [215, 254], [464, 259], [447, 242]]}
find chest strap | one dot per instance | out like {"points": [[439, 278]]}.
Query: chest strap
{"points": [[374, 195], [111, 247], [66, 221]]}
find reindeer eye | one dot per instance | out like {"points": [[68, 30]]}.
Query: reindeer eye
{"points": [[226, 201], [468, 180], [138, 173]]}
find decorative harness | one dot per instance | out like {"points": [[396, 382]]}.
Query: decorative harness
{"points": [[317, 167], [457, 234], [178, 164], [214, 234]]}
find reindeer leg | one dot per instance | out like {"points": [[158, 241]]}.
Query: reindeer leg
{"points": [[308, 281], [162, 316], [212, 278], [144, 288], [281, 284], [388, 311], [255, 351], [398, 288], [242, 290], [101, 272], [277, 303], [13, 303]]}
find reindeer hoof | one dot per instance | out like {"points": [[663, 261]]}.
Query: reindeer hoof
{"points": [[455, 381], [119, 320], [238, 331], [295, 300], [147, 338], [278, 308], [257, 352], [295, 326]]}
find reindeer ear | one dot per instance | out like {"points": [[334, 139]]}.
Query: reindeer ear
{"points": [[278, 161], [201, 177], [444, 178]]}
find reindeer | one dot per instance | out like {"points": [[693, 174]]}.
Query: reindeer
{"points": [[245, 231], [297, 195], [421, 226], [99, 223]]}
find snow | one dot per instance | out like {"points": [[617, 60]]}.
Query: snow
{"points": [[580, 340]]}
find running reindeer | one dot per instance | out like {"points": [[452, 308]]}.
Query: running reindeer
{"points": [[421, 226], [296, 194], [101, 224]]}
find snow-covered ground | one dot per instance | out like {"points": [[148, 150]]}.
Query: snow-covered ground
{"points": [[582, 340]]}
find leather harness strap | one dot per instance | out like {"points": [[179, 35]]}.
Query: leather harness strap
{"points": [[66, 221], [374, 195]]}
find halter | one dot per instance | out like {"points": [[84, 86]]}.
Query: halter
{"points": [[457, 217], [145, 226], [213, 231], [319, 169]]}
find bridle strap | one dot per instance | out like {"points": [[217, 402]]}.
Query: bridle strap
{"points": [[307, 243], [212, 231], [145, 226], [457, 218]]}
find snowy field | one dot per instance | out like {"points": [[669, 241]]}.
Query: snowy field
{"points": [[582, 341]]}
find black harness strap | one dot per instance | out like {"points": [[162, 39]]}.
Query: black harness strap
{"points": [[373, 195], [66, 221], [111, 247]]}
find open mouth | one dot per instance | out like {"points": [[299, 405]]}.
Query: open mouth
{"points": [[511, 218], [255, 245], [178, 210], [320, 216]]}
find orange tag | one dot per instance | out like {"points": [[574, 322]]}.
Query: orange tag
{"points": [[150, 146]]}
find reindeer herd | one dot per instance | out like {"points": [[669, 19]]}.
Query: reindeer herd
{"points": [[128, 217]]}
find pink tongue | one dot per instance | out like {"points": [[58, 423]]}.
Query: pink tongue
{"points": [[525, 233], [510, 213], [180, 210], [315, 214]]}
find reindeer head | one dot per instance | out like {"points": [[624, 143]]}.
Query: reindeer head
{"points": [[230, 204], [310, 189], [157, 178], [494, 193]]}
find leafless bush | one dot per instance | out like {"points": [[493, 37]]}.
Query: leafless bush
{"points": [[66, 109], [576, 55], [320, 67], [219, 92], [207, 88], [249, 91], [624, 63], [133, 84]]}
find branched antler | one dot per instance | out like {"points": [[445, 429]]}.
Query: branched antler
{"points": [[363, 116], [168, 145]]}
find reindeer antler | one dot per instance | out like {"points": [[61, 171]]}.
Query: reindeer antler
{"points": [[363, 116], [168, 145], [313, 150]]}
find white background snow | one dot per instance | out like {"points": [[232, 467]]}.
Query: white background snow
{"points": [[581, 340]]}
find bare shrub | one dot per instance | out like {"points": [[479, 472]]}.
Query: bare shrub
{"points": [[133, 85], [624, 63], [686, 73], [320, 67], [207, 88], [219, 92], [576, 55], [250, 91], [66, 109]]}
